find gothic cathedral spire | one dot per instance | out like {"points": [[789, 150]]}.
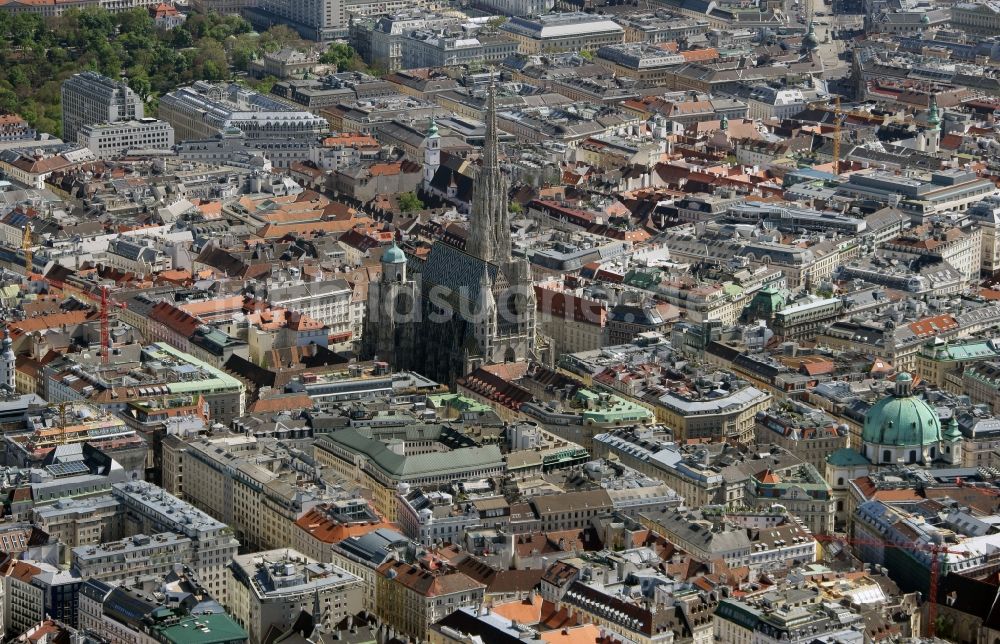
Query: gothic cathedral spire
{"points": [[489, 234]]}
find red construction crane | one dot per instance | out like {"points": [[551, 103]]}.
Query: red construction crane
{"points": [[106, 302], [933, 549]]}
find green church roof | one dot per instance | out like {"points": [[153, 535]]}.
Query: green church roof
{"points": [[902, 419], [846, 457]]}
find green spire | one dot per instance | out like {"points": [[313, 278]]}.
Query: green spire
{"points": [[811, 41], [432, 129], [724, 123], [933, 118], [952, 433]]}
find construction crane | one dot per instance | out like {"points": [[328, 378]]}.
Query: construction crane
{"points": [[104, 303], [934, 550], [836, 136], [26, 247]]}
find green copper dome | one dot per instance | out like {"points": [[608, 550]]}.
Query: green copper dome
{"points": [[902, 419], [811, 41], [393, 255]]}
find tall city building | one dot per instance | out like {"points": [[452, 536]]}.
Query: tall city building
{"points": [[89, 98], [458, 309], [320, 20]]}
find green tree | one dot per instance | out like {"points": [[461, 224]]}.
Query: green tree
{"points": [[242, 50], [136, 22], [18, 77], [210, 61], [8, 100], [140, 85], [39, 54], [343, 56], [515, 208], [265, 84], [279, 37], [410, 202], [587, 54], [181, 38]]}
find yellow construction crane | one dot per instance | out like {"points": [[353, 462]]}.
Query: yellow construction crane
{"points": [[836, 136], [26, 247]]}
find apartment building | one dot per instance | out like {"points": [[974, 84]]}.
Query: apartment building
{"points": [[138, 256], [362, 556], [571, 320], [326, 524], [23, 602], [960, 246], [55, 9], [412, 598], [809, 433]]}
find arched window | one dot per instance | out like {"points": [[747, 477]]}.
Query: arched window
{"points": [[886, 456], [840, 480], [933, 453], [913, 456]]}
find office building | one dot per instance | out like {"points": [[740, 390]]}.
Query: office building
{"points": [[149, 509], [557, 32], [435, 48], [80, 522], [132, 557], [946, 190], [382, 466], [207, 110], [516, 7], [320, 20], [110, 140], [90, 99]]}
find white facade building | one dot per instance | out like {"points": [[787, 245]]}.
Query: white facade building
{"points": [[327, 302], [110, 140]]}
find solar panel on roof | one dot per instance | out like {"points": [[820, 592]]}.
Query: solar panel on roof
{"points": [[72, 468]]}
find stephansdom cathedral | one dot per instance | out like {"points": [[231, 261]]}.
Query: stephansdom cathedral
{"points": [[456, 310]]}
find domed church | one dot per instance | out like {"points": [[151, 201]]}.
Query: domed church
{"points": [[903, 428], [900, 429]]}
